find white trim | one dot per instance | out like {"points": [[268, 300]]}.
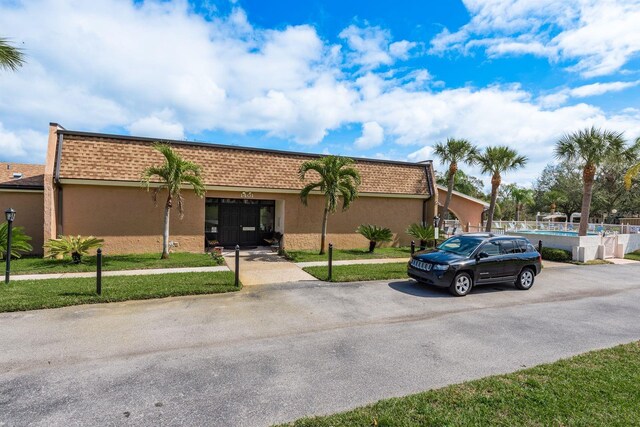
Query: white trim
{"points": [[73, 181], [19, 190], [464, 196]]}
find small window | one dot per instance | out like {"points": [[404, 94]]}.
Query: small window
{"points": [[491, 248], [507, 246], [17, 175]]}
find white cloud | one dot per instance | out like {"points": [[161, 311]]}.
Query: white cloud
{"points": [[371, 46], [158, 69], [600, 36], [372, 136], [25, 146], [585, 91], [158, 125]]}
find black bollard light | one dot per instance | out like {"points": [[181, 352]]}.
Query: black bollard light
{"points": [[237, 265], [413, 247], [10, 215], [330, 261], [99, 272], [540, 246]]}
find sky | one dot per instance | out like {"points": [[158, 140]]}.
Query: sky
{"points": [[356, 78]]}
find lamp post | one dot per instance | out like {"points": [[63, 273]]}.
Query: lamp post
{"points": [[10, 215]]}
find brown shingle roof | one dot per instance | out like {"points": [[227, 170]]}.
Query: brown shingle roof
{"points": [[31, 176], [121, 158]]}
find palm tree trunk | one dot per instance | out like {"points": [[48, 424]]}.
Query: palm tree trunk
{"points": [[165, 233], [495, 183], [587, 192], [323, 238], [517, 211], [447, 200]]}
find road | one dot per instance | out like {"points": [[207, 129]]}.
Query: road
{"points": [[275, 353]]}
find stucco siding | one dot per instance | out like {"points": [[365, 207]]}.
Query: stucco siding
{"points": [[467, 211], [128, 220], [30, 214]]}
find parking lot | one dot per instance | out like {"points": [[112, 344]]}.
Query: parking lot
{"points": [[278, 352]]}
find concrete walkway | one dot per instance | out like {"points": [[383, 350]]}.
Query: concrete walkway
{"points": [[150, 271], [262, 267], [353, 261], [621, 261]]}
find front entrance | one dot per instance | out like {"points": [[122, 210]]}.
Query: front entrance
{"points": [[244, 222]]}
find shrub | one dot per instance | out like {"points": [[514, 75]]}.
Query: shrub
{"points": [[422, 233], [559, 255], [19, 241], [74, 246], [374, 234]]}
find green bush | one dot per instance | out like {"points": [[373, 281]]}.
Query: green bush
{"points": [[374, 234], [559, 255], [19, 241], [74, 246], [421, 232]]}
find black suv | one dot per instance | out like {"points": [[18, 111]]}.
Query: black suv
{"points": [[461, 262]]}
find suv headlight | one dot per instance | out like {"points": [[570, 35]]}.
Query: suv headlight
{"points": [[440, 267]]}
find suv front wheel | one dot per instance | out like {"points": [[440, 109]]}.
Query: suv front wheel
{"points": [[461, 285], [525, 279]]}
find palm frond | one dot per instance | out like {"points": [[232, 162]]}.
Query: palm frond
{"points": [[11, 58], [632, 173]]}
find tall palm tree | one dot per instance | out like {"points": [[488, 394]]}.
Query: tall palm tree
{"points": [[521, 198], [495, 161], [452, 152], [10, 57], [589, 148], [337, 179], [633, 171], [174, 173]]}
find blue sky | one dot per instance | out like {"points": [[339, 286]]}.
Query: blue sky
{"points": [[358, 78]]}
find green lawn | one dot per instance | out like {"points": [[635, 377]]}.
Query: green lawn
{"points": [[22, 295], [358, 272], [633, 255], [344, 254], [32, 265], [601, 388]]}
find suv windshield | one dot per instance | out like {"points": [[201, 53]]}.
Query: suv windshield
{"points": [[460, 245]]}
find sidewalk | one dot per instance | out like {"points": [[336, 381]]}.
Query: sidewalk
{"points": [[262, 267], [353, 261], [143, 272]]}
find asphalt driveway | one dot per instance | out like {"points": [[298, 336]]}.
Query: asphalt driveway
{"points": [[278, 352]]}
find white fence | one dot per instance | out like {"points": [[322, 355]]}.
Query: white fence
{"points": [[501, 227]]}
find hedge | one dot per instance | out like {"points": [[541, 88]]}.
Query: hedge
{"points": [[560, 255]]}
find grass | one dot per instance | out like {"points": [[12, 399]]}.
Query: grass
{"points": [[633, 255], [346, 254], [33, 265], [591, 262], [22, 295], [600, 388], [361, 272]]}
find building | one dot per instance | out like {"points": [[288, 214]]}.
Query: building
{"points": [[91, 186]]}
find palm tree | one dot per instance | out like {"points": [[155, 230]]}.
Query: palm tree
{"points": [[633, 171], [521, 198], [337, 179], [453, 151], [172, 175], [495, 161], [10, 57], [589, 148]]}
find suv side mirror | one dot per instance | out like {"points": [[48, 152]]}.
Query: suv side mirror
{"points": [[483, 255]]}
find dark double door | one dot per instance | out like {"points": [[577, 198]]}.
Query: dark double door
{"points": [[239, 224]]}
